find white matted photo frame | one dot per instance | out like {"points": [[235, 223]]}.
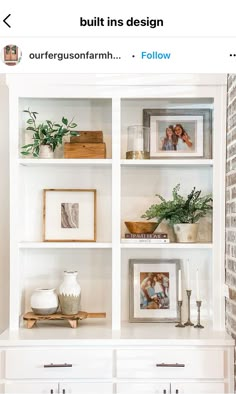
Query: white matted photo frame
{"points": [[69, 215], [153, 290], [179, 133]]}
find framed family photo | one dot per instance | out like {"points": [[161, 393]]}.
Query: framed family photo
{"points": [[179, 132], [69, 215], [153, 290]]}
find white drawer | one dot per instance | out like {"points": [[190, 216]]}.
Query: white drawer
{"points": [[47, 388], [180, 388], [66, 363], [143, 388], [170, 363]]}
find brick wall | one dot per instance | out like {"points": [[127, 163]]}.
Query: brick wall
{"points": [[230, 261]]}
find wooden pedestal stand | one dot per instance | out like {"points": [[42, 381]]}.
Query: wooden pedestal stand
{"points": [[31, 318]]}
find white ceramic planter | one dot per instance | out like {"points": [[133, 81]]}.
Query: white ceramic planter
{"points": [[44, 301], [186, 232], [45, 152], [70, 293]]}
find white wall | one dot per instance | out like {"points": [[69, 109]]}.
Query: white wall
{"points": [[4, 206]]}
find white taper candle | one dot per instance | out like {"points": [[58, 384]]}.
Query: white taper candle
{"points": [[180, 287], [188, 276], [197, 286]]}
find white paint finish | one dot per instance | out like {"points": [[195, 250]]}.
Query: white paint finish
{"points": [[106, 99], [179, 388], [139, 187], [219, 156], [199, 388], [147, 388], [181, 98], [167, 163], [116, 79], [35, 180], [88, 388], [44, 268], [31, 388], [97, 332], [71, 388], [65, 162], [4, 206], [198, 259], [89, 114], [116, 203], [199, 364], [86, 363], [64, 245]]}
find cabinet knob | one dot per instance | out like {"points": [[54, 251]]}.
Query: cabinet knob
{"points": [[51, 391], [176, 391], [164, 391], [63, 391]]}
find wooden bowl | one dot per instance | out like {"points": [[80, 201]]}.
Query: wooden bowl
{"points": [[141, 227]]}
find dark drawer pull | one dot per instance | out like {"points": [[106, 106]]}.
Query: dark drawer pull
{"points": [[177, 365], [57, 365]]}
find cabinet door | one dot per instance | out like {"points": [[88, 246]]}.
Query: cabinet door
{"points": [[88, 388], [29, 388], [197, 388], [141, 388]]}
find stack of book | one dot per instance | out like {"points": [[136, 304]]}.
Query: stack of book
{"points": [[156, 238]]}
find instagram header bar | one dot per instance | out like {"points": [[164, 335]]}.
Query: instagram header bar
{"points": [[118, 55]]}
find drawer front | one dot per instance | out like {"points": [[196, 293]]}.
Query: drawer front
{"points": [[58, 363], [47, 388], [143, 388], [198, 388], [86, 388], [31, 388], [179, 388], [170, 363]]}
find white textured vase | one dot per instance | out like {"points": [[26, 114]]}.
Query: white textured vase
{"points": [[45, 152], [70, 293], [44, 301], [186, 232]]}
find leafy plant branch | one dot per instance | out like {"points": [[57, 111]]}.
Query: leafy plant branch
{"points": [[180, 209], [47, 133]]}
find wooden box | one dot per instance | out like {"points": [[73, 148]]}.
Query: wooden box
{"points": [[88, 136], [78, 150]]}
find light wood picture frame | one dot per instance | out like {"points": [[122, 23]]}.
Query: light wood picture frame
{"points": [[69, 215]]}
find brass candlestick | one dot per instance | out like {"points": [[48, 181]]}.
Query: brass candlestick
{"points": [[198, 325], [188, 322], [180, 324]]}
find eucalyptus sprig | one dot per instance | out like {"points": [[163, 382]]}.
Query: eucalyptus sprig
{"points": [[180, 209], [46, 133]]}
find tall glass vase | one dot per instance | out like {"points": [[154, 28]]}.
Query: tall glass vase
{"points": [[138, 146]]}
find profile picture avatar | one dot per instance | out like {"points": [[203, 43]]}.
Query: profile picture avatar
{"points": [[11, 55]]}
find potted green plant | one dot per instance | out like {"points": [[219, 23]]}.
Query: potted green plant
{"points": [[46, 136], [183, 213]]}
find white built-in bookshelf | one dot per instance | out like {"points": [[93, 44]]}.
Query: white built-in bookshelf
{"points": [[125, 189]]}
